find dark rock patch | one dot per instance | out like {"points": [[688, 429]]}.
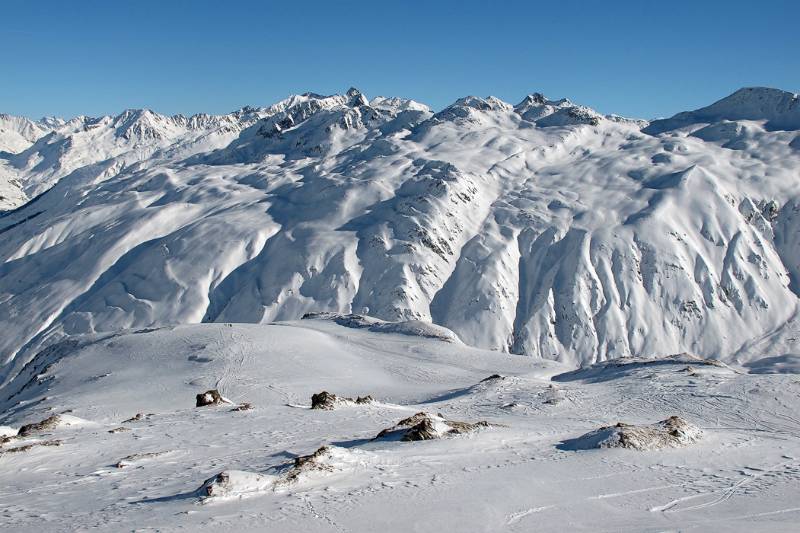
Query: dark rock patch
{"points": [[50, 422], [210, 397], [327, 401], [423, 426]]}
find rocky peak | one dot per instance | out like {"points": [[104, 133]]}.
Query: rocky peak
{"points": [[355, 98], [543, 112]]}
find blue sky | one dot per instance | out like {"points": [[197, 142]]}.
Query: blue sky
{"points": [[643, 59]]}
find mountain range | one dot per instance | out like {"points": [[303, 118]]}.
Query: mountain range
{"points": [[543, 228]]}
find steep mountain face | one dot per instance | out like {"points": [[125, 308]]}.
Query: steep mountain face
{"points": [[544, 229]]}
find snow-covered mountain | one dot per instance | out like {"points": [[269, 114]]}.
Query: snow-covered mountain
{"points": [[777, 110], [84, 149], [18, 133], [544, 229], [386, 257]]}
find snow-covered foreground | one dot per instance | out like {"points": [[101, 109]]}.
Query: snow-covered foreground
{"points": [[531, 468]]}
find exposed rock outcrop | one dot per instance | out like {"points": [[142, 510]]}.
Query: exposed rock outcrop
{"points": [[424, 426]]}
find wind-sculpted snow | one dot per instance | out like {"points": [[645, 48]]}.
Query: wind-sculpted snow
{"points": [[544, 229]]}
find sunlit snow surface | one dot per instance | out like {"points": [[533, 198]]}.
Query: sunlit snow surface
{"points": [[544, 229], [516, 475], [639, 271]]}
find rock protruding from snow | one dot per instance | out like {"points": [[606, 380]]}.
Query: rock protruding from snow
{"points": [[424, 426], [674, 432], [779, 109], [314, 461], [241, 484], [210, 397], [29, 446], [51, 423], [235, 484], [326, 460], [135, 458], [327, 402], [138, 417], [33, 428]]}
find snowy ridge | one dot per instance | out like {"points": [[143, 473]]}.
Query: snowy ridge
{"points": [[86, 148], [17, 133], [778, 110], [544, 229]]}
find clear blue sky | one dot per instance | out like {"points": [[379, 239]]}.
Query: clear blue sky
{"points": [[640, 58]]}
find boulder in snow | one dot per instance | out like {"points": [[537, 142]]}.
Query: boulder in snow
{"points": [[210, 397], [29, 446], [674, 432], [235, 484], [328, 401], [50, 422], [424, 426], [325, 460]]}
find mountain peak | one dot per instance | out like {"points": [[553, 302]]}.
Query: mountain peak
{"points": [[141, 124], [543, 112], [356, 98], [490, 103], [532, 99], [762, 93], [780, 110]]}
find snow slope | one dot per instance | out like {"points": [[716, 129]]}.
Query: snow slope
{"points": [[179, 467], [543, 229]]}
